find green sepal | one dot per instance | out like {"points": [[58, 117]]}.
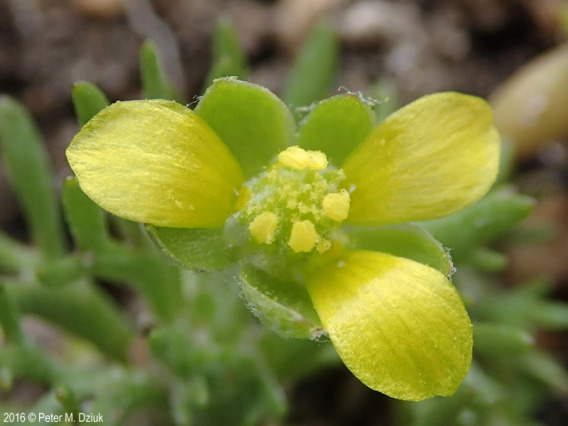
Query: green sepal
{"points": [[407, 240], [228, 56], [314, 69], [84, 217], [285, 307], [249, 119], [336, 126], [492, 339], [30, 173], [480, 223], [88, 100], [155, 83], [195, 248]]}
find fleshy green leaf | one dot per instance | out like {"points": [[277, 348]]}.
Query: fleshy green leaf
{"points": [[500, 340], [31, 177], [88, 100], [197, 248], [156, 162], [80, 309], [386, 98], [9, 317], [159, 282], [15, 256], [314, 69], [545, 369], [228, 56], [249, 119], [407, 240], [84, 217], [399, 326], [336, 126], [155, 83], [481, 222], [29, 362], [62, 272], [283, 306], [429, 159]]}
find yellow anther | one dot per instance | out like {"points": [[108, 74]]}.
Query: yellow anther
{"points": [[263, 226], [336, 205], [300, 159], [303, 236]]}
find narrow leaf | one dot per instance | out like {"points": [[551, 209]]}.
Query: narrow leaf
{"points": [[155, 83], [228, 56], [30, 173], [314, 68], [88, 100]]}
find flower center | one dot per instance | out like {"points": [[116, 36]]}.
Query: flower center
{"points": [[295, 205]]}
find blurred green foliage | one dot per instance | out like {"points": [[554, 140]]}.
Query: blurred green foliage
{"points": [[199, 357]]}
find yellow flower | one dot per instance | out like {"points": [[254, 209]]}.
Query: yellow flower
{"points": [[299, 211]]}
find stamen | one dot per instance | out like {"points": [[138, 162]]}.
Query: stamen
{"points": [[263, 227], [336, 205], [303, 236], [300, 159]]}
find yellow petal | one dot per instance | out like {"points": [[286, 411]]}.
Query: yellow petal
{"points": [[157, 162], [427, 160], [398, 325]]}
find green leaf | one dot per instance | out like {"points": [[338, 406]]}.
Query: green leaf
{"points": [[406, 240], [155, 83], [15, 256], [28, 362], [88, 100], [31, 177], [84, 217], [61, 272], [285, 307], [487, 260], [9, 317], [386, 97], [228, 56], [249, 119], [544, 368], [80, 309], [158, 281], [500, 340], [336, 126], [283, 354], [550, 315], [481, 222], [314, 68], [66, 397], [195, 248]]}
